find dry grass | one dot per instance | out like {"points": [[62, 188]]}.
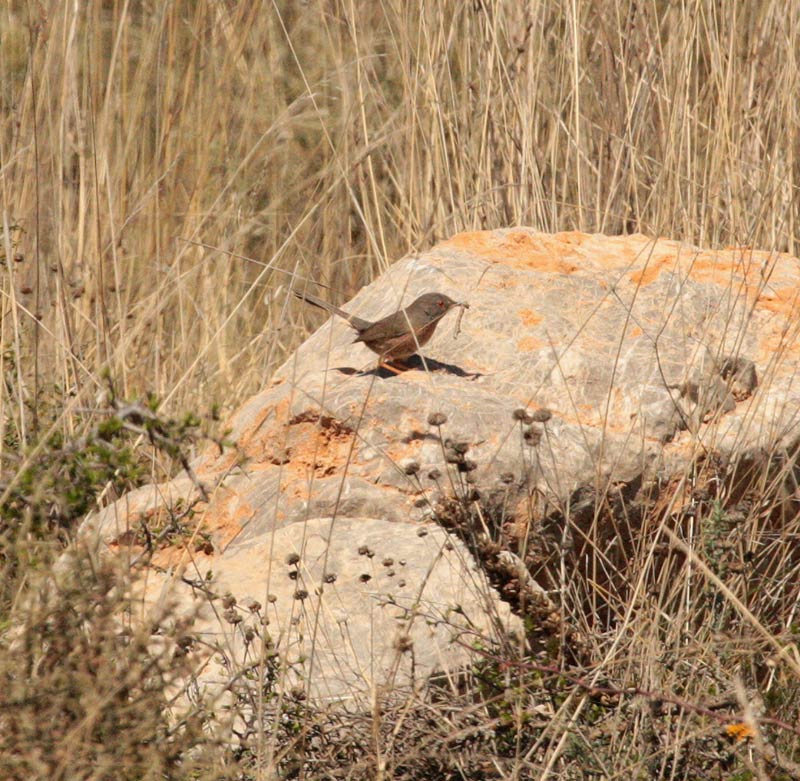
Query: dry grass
{"points": [[329, 138]]}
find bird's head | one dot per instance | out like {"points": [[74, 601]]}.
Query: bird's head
{"points": [[435, 305]]}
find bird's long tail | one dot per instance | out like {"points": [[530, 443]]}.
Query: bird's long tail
{"points": [[355, 322]]}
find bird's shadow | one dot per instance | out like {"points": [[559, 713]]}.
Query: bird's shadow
{"points": [[414, 363]]}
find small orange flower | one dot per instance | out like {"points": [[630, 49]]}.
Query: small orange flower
{"points": [[739, 731]]}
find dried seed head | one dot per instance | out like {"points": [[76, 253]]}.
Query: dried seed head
{"points": [[522, 415], [231, 616], [388, 561], [403, 643], [329, 577], [229, 601], [292, 558], [434, 474], [365, 577], [532, 437], [467, 465], [422, 532], [507, 478], [437, 419], [300, 594], [461, 447], [451, 457], [363, 550], [542, 415], [411, 467]]}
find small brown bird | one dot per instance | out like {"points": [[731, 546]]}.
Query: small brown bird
{"points": [[400, 334]]}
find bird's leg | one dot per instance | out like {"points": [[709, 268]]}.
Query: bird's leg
{"points": [[382, 363]]}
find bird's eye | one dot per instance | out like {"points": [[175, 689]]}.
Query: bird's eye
{"points": [[441, 304]]}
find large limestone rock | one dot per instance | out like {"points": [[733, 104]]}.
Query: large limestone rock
{"points": [[645, 352]]}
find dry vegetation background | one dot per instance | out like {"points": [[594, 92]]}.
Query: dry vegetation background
{"points": [[330, 138]]}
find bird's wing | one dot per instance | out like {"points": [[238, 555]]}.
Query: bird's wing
{"points": [[390, 327]]}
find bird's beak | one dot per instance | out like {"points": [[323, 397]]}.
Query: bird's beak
{"points": [[462, 304]]}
